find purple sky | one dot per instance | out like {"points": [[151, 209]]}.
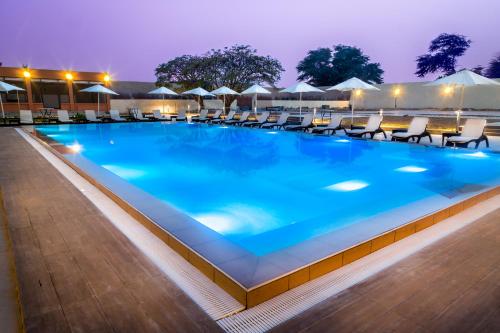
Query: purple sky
{"points": [[130, 37]]}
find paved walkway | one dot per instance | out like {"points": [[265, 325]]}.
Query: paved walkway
{"points": [[450, 286], [76, 271]]}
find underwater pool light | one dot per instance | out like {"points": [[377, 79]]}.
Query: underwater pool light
{"points": [[411, 168], [347, 186]]}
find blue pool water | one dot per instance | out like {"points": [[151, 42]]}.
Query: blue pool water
{"points": [[266, 190]]}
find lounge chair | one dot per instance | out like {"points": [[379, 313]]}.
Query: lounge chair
{"points": [[264, 116], [243, 118], [229, 117], [371, 128], [282, 121], [473, 131], [181, 116], [417, 130], [115, 115], [307, 122], [137, 114], [63, 117], [158, 116], [202, 117], [90, 116], [25, 117], [215, 116], [334, 125]]}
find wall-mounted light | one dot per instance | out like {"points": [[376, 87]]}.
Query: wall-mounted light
{"points": [[358, 92], [68, 76], [397, 93], [448, 90], [26, 73], [107, 78]]}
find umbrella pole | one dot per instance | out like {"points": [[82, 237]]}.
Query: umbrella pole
{"points": [[163, 103], [224, 105], [98, 104], [353, 98], [1, 103], [461, 107], [18, 103], [300, 104]]}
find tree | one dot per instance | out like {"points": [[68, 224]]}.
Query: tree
{"points": [[493, 70], [236, 67], [442, 54], [325, 67]]}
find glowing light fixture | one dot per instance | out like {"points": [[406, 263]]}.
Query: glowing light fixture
{"points": [[342, 140], [411, 168], [26, 74], [358, 92], [76, 148], [69, 76], [347, 186], [106, 78], [448, 90], [397, 92], [478, 154], [272, 132]]}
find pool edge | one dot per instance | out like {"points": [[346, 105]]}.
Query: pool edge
{"points": [[250, 297]]}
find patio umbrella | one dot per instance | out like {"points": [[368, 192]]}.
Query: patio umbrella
{"points": [[224, 91], [255, 90], [5, 87], [163, 91], [353, 84], [99, 90], [200, 92], [462, 79], [300, 88]]}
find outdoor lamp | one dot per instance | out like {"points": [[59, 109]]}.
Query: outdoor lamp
{"points": [[27, 73], [69, 76], [107, 78], [358, 92], [397, 92], [448, 90]]}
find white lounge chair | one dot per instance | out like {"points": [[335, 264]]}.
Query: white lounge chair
{"points": [[115, 115], [260, 120], [230, 116], [244, 117], [216, 115], [137, 114], [26, 117], [202, 117], [417, 130], [63, 116], [334, 125], [90, 116], [473, 131], [181, 116], [282, 121], [307, 122], [371, 128], [158, 116]]}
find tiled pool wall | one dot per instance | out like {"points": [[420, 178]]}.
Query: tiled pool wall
{"points": [[250, 297]]}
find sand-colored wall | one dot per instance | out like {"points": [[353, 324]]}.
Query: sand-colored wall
{"points": [[420, 96], [171, 105], [295, 103]]}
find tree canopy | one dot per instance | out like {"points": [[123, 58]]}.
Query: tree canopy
{"points": [[442, 55], [237, 67], [325, 67], [493, 70]]}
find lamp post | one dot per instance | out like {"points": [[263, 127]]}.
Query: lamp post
{"points": [[397, 93]]}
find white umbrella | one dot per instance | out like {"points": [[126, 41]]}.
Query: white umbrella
{"points": [[301, 88], [463, 78], [162, 91], [255, 90], [353, 84], [99, 90], [5, 87], [224, 91], [200, 92]]}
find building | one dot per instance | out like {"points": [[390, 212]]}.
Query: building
{"points": [[58, 89]]}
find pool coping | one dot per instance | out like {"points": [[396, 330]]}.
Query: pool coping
{"points": [[257, 294]]}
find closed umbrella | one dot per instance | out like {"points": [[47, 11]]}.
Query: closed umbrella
{"points": [[200, 92], [301, 88], [163, 91], [99, 90], [353, 84], [223, 91], [255, 90], [5, 87]]}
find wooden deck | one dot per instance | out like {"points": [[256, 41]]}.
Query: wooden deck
{"points": [[78, 273]]}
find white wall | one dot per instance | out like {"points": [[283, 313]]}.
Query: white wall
{"points": [[419, 96], [171, 105], [295, 103]]}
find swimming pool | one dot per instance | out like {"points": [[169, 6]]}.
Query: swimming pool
{"points": [[264, 198]]}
